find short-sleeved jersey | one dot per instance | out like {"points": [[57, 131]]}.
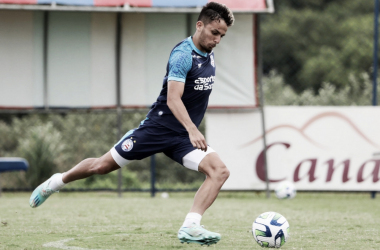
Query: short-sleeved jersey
{"points": [[197, 70]]}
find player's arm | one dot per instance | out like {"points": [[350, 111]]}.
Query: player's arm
{"points": [[175, 104]]}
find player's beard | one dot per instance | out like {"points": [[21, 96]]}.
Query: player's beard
{"points": [[207, 50], [203, 43]]}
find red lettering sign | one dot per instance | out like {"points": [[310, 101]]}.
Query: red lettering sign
{"points": [[311, 173], [375, 172], [331, 170], [260, 163]]}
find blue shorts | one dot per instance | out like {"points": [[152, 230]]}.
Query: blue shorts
{"points": [[151, 138]]}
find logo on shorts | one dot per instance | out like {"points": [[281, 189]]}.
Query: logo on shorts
{"points": [[127, 145]]}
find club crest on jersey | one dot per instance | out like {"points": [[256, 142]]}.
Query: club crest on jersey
{"points": [[127, 145], [212, 60]]}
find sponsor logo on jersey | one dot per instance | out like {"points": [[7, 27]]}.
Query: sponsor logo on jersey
{"points": [[212, 60], [127, 145], [204, 83]]}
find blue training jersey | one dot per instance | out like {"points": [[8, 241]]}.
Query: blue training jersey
{"points": [[197, 70]]}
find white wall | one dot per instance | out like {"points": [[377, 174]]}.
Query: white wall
{"points": [[69, 62], [234, 58], [81, 59], [20, 61]]}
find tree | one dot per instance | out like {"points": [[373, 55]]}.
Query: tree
{"points": [[358, 92], [310, 42]]}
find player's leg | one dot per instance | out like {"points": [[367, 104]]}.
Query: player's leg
{"points": [[137, 144], [216, 173], [86, 168]]}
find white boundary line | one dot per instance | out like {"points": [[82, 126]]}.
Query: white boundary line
{"points": [[61, 244]]}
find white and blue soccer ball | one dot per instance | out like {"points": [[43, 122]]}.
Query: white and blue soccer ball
{"points": [[285, 190], [270, 230]]}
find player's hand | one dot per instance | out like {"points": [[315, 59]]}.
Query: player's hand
{"points": [[197, 139]]}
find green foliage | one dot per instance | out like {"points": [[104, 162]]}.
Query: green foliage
{"points": [[8, 139], [315, 41], [57, 142], [37, 142], [41, 147], [358, 92]]}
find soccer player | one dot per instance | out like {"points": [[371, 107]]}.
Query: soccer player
{"points": [[171, 126]]}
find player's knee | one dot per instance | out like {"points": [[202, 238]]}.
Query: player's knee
{"points": [[221, 172], [224, 173]]}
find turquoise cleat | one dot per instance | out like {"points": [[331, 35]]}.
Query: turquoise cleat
{"points": [[41, 193], [197, 234]]}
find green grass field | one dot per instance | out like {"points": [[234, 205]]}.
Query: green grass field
{"points": [[82, 221]]}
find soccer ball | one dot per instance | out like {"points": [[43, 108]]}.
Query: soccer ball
{"points": [[270, 229], [164, 195], [285, 190]]}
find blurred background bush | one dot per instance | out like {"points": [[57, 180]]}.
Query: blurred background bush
{"points": [[56, 142]]}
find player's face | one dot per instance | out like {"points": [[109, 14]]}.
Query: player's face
{"points": [[211, 34]]}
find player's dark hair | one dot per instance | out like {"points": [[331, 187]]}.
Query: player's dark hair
{"points": [[216, 11]]}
